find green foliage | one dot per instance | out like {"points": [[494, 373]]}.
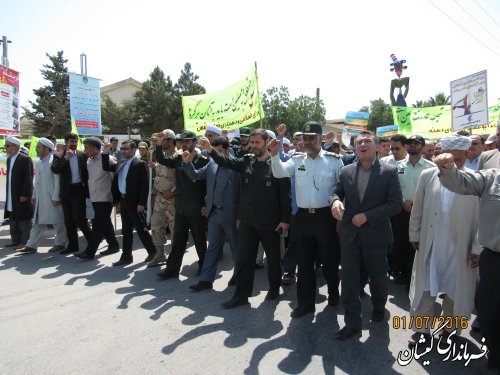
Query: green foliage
{"points": [[117, 119], [294, 113], [439, 99], [50, 111], [380, 114]]}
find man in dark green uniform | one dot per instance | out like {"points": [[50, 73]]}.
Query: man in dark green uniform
{"points": [[244, 146], [189, 201], [264, 213]]}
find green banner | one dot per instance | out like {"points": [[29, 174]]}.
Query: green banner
{"points": [[435, 122], [238, 105]]}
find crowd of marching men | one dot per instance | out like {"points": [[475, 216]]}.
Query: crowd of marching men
{"points": [[422, 213]]}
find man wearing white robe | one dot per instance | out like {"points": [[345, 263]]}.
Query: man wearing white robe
{"points": [[443, 227], [48, 208]]}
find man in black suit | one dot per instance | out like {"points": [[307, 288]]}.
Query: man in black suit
{"points": [[130, 188], [18, 207], [71, 164], [370, 192]]}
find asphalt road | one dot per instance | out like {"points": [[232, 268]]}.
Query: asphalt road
{"points": [[61, 315]]}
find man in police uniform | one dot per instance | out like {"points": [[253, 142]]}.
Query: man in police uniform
{"points": [[316, 172], [264, 213], [189, 202], [244, 147], [163, 200]]}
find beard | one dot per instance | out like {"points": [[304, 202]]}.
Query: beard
{"points": [[258, 151]]}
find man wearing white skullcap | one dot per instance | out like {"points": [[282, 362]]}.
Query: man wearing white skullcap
{"points": [[211, 132], [18, 207], [443, 227], [47, 202]]}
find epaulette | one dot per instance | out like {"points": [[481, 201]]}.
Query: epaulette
{"points": [[249, 156], [328, 153], [298, 154]]}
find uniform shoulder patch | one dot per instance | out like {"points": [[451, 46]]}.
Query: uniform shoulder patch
{"points": [[249, 156], [328, 153]]}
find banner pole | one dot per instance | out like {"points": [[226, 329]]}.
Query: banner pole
{"points": [[258, 93]]}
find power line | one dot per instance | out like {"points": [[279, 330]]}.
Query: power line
{"points": [[487, 13], [463, 28], [479, 23]]}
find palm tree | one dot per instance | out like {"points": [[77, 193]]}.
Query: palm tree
{"points": [[439, 99], [419, 104]]}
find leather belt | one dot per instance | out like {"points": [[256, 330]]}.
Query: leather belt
{"points": [[218, 207], [314, 210]]}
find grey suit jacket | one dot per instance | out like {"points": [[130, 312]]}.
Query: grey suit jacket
{"points": [[382, 200], [230, 193]]}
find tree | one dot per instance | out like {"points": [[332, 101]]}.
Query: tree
{"points": [[419, 104], [50, 112], [380, 114], [439, 99], [186, 85], [294, 113], [117, 119], [153, 103]]}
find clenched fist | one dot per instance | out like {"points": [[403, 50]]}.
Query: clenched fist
{"points": [[444, 161]]}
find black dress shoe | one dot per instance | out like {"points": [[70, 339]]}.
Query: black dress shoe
{"points": [[84, 256], [259, 266], [378, 316], [232, 281], [301, 311], [149, 258], [13, 244], [347, 332], [165, 275], [68, 251], [122, 262], [201, 285], [235, 302], [110, 250], [333, 300], [273, 294]]}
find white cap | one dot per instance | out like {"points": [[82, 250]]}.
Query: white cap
{"points": [[61, 143], [271, 134], [13, 140], [214, 129], [47, 143], [286, 141], [455, 142]]}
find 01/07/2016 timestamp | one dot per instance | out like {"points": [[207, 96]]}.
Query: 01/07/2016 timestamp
{"points": [[429, 322]]}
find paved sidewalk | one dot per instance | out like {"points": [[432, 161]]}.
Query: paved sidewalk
{"points": [[61, 315]]}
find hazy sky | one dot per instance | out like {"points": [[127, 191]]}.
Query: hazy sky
{"points": [[342, 47]]}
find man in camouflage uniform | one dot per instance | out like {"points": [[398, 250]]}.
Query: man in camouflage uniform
{"points": [[163, 201]]}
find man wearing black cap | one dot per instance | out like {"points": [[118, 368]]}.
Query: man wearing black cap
{"points": [[264, 213], [244, 147], [409, 170], [189, 202], [315, 172]]}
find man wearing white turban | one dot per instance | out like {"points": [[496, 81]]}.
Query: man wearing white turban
{"points": [[443, 228], [18, 207], [48, 208]]}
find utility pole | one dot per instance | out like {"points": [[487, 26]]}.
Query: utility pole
{"points": [[5, 57]]}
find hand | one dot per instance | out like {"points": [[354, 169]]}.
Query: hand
{"points": [[140, 208], [415, 245], [338, 210], [167, 195], [152, 165], [281, 130], [329, 137], [359, 219], [205, 144], [56, 203], [106, 148], [33, 201], [187, 157], [282, 228], [23, 199], [273, 146], [69, 153], [474, 260], [203, 211], [445, 161], [160, 136], [407, 205]]}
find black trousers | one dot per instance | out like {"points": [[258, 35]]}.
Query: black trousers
{"points": [[290, 257], [249, 237], [101, 227], [20, 231], [402, 254], [316, 238], [182, 225], [75, 216], [488, 298], [130, 221]]}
